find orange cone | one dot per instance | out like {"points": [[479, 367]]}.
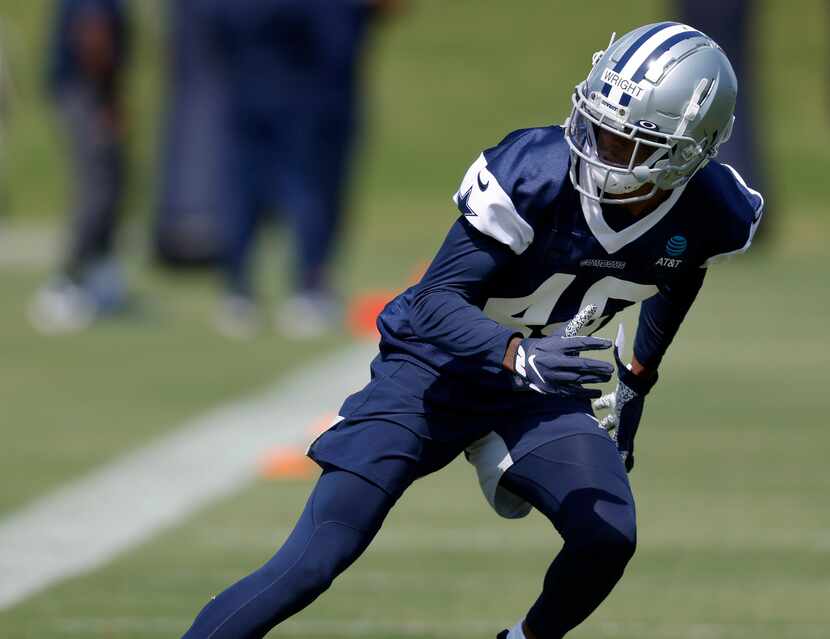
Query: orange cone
{"points": [[286, 463], [364, 310]]}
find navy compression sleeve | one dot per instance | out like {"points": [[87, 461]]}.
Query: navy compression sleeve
{"points": [[661, 316], [446, 310]]}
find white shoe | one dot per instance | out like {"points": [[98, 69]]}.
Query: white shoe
{"points": [[61, 307], [309, 315], [238, 317]]}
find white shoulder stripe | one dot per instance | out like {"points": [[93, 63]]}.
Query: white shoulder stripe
{"points": [[759, 213], [489, 208]]}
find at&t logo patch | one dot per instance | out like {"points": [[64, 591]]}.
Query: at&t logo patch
{"points": [[676, 246]]}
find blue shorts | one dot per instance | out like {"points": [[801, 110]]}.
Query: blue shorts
{"points": [[402, 399]]}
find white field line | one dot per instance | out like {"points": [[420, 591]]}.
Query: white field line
{"points": [[29, 246], [88, 522]]}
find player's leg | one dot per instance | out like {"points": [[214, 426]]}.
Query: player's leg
{"points": [[89, 281], [369, 461], [313, 211], [371, 456], [343, 514], [97, 162], [246, 164], [321, 140], [243, 202], [580, 485]]}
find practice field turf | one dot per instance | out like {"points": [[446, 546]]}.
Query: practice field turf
{"points": [[731, 475], [731, 488]]}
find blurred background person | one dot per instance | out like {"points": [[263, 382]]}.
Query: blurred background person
{"points": [[293, 75], [88, 56], [189, 227], [731, 23]]}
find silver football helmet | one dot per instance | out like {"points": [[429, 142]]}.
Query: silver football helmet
{"points": [[655, 108]]}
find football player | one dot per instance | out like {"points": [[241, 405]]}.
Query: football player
{"points": [[561, 227]]}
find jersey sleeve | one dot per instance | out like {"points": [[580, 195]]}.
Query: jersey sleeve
{"points": [[661, 316], [738, 210], [509, 185], [446, 309]]}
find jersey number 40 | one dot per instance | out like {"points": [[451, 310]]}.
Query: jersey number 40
{"points": [[535, 310]]}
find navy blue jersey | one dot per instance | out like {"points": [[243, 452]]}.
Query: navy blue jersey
{"points": [[529, 252]]}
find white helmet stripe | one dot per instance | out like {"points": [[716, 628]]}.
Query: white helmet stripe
{"points": [[641, 55]]}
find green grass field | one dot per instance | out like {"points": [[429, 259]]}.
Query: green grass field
{"points": [[731, 478]]}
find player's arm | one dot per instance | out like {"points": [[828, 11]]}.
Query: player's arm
{"points": [[660, 319], [446, 309]]}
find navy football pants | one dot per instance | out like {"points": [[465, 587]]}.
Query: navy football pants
{"points": [[576, 482]]}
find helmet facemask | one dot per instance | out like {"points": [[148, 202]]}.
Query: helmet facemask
{"points": [[621, 157]]}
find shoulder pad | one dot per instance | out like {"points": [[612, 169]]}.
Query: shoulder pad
{"points": [[734, 213], [510, 184]]}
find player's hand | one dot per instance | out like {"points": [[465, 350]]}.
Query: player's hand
{"points": [[625, 405], [553, 366]]}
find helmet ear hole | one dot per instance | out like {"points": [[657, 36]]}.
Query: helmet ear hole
{"points": [[706, 93]]}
